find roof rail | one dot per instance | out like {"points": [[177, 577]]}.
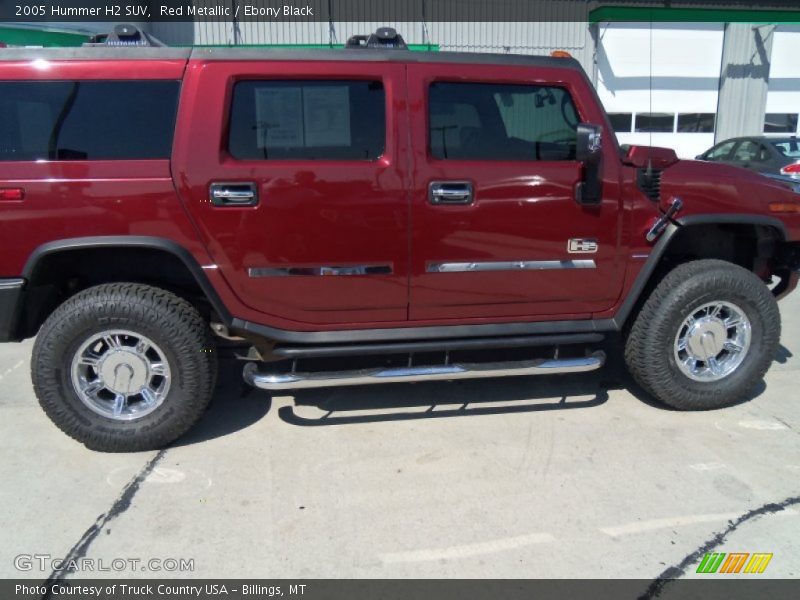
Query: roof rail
{"points": [[384, 38], [125, 35]]}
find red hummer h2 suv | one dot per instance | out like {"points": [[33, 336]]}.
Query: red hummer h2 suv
{"points": [[360, 216]]}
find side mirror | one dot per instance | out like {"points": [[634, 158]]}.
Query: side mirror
{"points": [[588, 150], [588, 143]]}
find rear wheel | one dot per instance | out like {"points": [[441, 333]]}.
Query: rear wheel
{"points": [[705, 336], [124, 367]]}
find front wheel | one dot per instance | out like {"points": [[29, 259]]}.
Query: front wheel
{"points": [[705, 336], [124, 367]]}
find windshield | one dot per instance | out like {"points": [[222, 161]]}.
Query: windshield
{"points": [[789, 148]]}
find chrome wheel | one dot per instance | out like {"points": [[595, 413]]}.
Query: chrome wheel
{"points": [[712, 341], [121, 375]]}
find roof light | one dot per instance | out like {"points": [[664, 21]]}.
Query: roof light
{"points": [[560, 54]]}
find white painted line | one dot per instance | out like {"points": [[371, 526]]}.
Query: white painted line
{"points": [[707, 466], [653, 524], [762, 425], [14, 368], [466, 550], [640, 526], [161, 475]]}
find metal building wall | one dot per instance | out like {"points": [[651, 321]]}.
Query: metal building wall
{"points": [[538, 38], [515, 38], [448, 30], [407, 19], [744, 80]]}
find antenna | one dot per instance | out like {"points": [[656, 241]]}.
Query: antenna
{"points": [[650, 95]]}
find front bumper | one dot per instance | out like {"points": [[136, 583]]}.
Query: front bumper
{"points": [[10, 295]]}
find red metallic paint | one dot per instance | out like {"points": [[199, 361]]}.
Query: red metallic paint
{"points": [[309, 213], [708, 188], [335, 212], [522, 210], [44, 70], [650, 157]]}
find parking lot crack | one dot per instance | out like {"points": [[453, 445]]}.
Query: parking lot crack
{"points": [[659, 583], [121, 504]]}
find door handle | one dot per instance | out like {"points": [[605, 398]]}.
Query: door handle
{"points": [[450, 192], [233, 194]]}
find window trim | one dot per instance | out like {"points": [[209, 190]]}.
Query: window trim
{"points": [[389, 120]]}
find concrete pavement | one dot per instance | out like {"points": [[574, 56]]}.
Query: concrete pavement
{"points": [[572, 476]]}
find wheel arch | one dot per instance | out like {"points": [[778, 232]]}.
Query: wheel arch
{"points": [[667, 252], [52, 269]]}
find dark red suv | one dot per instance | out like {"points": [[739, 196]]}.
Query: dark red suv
{"points": [[360, 216]]}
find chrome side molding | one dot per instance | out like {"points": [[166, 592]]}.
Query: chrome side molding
{"points": [[320, 271], [511, 265], [295, 381], [10, 284]]}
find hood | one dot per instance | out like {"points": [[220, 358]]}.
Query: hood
{"points": [[714, 187]]}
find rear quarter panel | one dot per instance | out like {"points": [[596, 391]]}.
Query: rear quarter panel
{"points": [[75, 199]]}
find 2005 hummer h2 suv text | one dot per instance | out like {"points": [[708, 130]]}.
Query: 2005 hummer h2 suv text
{"points": [[360, 216]]}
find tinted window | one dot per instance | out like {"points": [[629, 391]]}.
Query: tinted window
{"points": [[696, 122], [481, 121], [788, 148], [749, 151], [621, 122], [780, 123], [338, 120], [87, 120], [655, 122], [720, 152]]}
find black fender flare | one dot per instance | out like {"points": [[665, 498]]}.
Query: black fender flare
{"points": [[132, 241], [624, 311]]}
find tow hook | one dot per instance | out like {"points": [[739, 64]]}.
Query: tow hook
{"points": [[661, 223]]}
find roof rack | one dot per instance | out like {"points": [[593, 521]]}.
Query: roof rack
{"points": [[383, 38], [125, 35]]}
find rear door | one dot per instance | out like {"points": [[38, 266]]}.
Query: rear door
{"points": [[497, 231], [296, 175]]}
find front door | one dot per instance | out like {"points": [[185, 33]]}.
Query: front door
{"points": [[496, 229], [296, 176]]}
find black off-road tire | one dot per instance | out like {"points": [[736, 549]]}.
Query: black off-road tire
{"points": [[169, 321], [649, 348]]}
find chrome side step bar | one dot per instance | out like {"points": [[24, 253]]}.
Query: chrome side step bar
{"points": [[296, 381]]}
